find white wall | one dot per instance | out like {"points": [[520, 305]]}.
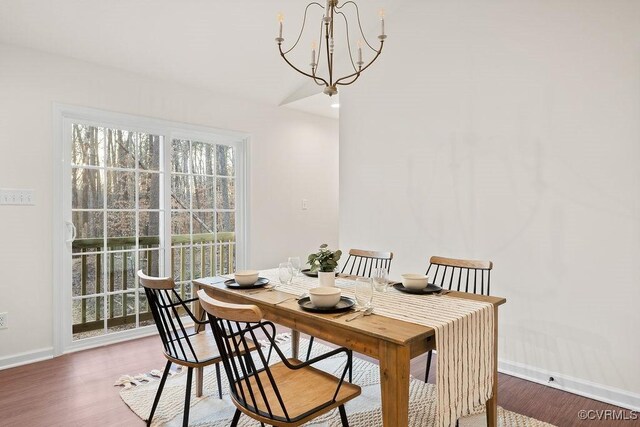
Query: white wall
{"points": [[510, 131], [293, 156]]}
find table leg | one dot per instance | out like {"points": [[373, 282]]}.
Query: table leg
{"points": [[295, 343], [492, 403], [199, 379], [197, 311], [394, 384]]}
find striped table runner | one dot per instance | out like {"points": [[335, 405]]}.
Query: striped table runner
{"points": [[464, 339]]}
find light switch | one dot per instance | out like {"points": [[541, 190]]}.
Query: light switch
{"points": [[10, 196], [305, 204]]}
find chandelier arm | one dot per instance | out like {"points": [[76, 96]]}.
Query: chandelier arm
{"points": [[316, 78], [346, 24], [361, 69], [357, 76], [299, 70], [304, 22], [359, 23]]}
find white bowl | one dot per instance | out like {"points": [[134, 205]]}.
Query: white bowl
{"points": [[325, 296], [246, 277], [415, 281]]}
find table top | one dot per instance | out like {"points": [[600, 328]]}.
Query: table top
{"points": [[377, 326]]}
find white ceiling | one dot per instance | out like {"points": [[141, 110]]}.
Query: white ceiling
{"points": [[224, 46]]}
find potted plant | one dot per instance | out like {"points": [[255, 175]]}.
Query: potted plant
{"points": [[325, 262]]}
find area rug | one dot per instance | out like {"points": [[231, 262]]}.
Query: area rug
{"points": [[139, 391]]}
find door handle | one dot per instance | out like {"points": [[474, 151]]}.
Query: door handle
{"points": [[71, 228]]}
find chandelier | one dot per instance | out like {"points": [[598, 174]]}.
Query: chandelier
{"points": [[322, 50]]}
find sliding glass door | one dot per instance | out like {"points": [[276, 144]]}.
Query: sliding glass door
{"points": [[163, 200]]}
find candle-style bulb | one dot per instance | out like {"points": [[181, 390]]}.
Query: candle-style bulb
{"points": [[313, 54], [280, 20], [381, 13]]}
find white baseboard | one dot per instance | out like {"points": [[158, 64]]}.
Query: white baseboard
{"points": [[25, 358], [48, 353], [112, 338], [569, 384]]}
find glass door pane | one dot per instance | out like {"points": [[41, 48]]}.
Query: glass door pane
{"points": [[203, 203], [116, 208]]}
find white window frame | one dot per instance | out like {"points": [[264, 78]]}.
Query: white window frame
{"points": [[63, 116]]}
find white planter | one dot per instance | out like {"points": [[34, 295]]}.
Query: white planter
{"points": [[327, 278]]}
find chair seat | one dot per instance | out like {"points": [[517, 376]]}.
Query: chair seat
{"points": [[302, 390], [205, 349]]}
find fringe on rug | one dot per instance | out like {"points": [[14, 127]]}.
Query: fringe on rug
{"points": [[279, 339], [128, 381]]}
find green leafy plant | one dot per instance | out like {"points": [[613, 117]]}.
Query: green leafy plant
{"points": [[324, 260]]}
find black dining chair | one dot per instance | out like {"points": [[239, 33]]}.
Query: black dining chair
{"points": [[458, 275], [362, 263], [189, 349], [286, 393]]}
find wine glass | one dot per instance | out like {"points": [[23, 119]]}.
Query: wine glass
{"points": [[295, 263], [285, 273], [380, 279], [364, 292]]}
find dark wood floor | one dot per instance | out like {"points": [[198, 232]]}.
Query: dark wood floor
{"points": [[77, 390]]}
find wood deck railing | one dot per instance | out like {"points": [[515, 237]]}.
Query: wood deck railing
{"points": [[211, 256]]}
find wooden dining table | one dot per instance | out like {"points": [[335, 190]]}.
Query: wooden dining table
{"points": [[392, 342]]}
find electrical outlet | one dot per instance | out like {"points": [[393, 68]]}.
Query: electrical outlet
{"points": [[4, 320]]}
